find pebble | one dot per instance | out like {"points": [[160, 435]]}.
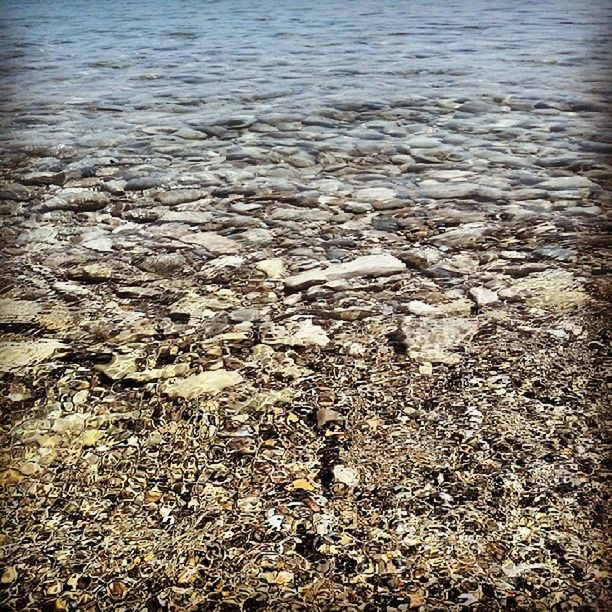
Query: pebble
{"points": [[483, 296], [368, 265]]}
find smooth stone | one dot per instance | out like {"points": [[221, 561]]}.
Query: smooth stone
{"points": [[210, 382], [273, 268], [456, 307], [244, 314], [192, 308], [423, 142], [78, 200], [375, 193], [257, 236], [114, 186], [294, 333], [464, 235], [181, 196], [213, 243], [189, 134], [15, 355], [169, 371], [561, 183], [119, 367], [434, 340], [142, 183], [368, 265], [483, 296], [191, 217]]}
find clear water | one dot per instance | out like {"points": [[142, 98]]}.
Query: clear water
{"points": [[95, 73]]}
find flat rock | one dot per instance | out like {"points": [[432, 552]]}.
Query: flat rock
{"points": [[119, 367], [368, 265], [210, 382], [561, 183], [192, 308], [456, 307], [181, 196], [190, 217], [375, 193], [295, 333], [462, 236], [212, 242], [144, 182], [435, 340], [169, 371], [16, 355], [483, 296], [244, 314], [273, 268], [78, 200]]}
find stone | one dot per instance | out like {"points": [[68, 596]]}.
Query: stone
{"points": [[375, 193], [212, 242], [435, 340], [259, 236], [483, 296], [210, 382], [119, 367], [169, 371], [274, 268], [368, 265], [561, 183], [15, 355], [91, 273], [465, 235], [78, 200], [456, 307], [165, 263], [294, 333], [346, 475], [190, 217], [244, 314], [447, 191], [142, 183], [102, 245], [191, 308], [181, 196], [554, 289]]}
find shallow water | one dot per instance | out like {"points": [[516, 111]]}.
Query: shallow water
{"points": [[96, 74]]}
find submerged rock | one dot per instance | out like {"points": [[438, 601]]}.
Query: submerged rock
{"points": [[483, 296], [180, 196], [435, 340], [210, 382], [368, 265], [78, 200], [15, 355]]}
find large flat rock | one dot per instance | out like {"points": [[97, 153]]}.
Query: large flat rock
{"points": [[368, 265]]}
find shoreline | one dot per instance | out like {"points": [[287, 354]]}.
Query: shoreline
{"points": [[331, 377]]}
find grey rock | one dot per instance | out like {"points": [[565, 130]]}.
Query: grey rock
{"points": [[244, 314], [483, 296], [181, 196], [463, 236], [435, 340], [78, 200], [368, 265], [144, 182], [561, 183]]}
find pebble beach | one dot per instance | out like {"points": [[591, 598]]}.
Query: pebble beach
{"points": [[304, 307]]}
